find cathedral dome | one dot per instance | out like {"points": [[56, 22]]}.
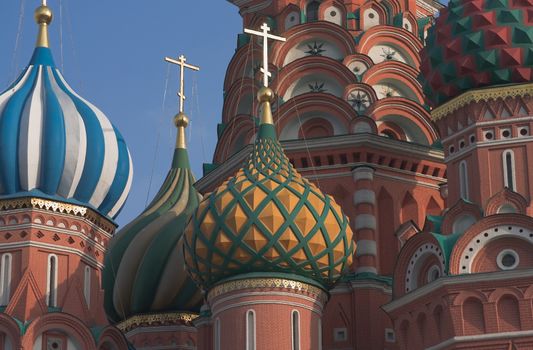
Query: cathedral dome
{"points": [[144, 267], [268, 219], [57, 145], [478, 43]]}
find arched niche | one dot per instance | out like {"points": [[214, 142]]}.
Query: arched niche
{"points": [[372, 17], [410, 130], [315, 83], [314, 46], [384, 51], [291, 130], [387, 88], [334, 14]]}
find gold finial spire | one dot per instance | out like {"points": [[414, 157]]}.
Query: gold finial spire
{"points": [[265, 96], [181, 120], [43, 17]]}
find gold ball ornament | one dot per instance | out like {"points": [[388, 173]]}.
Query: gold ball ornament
{"points": [[265, 94], [181, 120], [43, 15]]}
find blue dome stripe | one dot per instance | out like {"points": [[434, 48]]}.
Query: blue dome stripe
{"points": [[9, 135], [54, 144], [94, 158], [19, 78], [121, 176], [42, 56], [76, 142], [53, 148]]}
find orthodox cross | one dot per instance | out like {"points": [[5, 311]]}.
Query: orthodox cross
{"points": [[265, 34], [181, 63], [44, 2]]}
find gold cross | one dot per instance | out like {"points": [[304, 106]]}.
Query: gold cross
{"points": [[181, 62], [265, 34]]}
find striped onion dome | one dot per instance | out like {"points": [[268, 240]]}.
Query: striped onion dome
{"points": [[57, 145], [268, 220], [144, 268]]}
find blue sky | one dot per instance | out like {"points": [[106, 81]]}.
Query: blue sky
{"points": [[112, 54]]}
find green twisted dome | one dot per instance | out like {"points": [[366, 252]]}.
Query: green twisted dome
{"points": [[144, 267], [478, 43], [268, 219]]}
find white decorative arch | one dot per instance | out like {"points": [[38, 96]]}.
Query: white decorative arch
{"points": [[417, 263], [482, 239]]}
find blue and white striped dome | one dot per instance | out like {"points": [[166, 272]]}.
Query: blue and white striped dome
{"points": [[55, 144]]}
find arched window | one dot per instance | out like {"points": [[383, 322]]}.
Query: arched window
{"points": [[295, 325], [312, 11], [250, 330], [51, 285], [319, 332], [5, 279], [87, 285], [217, 334], [463, 179], [509, 179]]}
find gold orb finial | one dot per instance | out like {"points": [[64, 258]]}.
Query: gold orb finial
{"points": [[181, 120], [265, 94], [43, 15]]}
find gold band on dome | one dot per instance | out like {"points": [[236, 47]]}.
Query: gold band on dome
{"points": [[254, 283], [156, 320], [485, 94]]}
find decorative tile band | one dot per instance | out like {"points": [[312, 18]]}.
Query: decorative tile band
{"points": [[481, 95], [58, 207], [157, 320], [255, 283]]}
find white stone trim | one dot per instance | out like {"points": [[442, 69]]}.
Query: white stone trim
{"points": [[219, 301], [481, 337], [364, 197], [366, 269], [5, 289], [51, 290], [365, 221], [499, 259], [252, 332], [296, 332], [366, 247], [171, 329], [363, 173], [266, 302], [456, 280], [506, 170], [53, 247]]}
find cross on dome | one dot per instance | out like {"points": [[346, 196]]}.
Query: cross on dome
{"points": [[44, 2], [265, 34], [181, 63]]}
